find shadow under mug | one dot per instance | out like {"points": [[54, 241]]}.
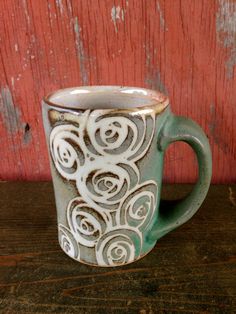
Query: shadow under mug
{"points": [[106, 146]]}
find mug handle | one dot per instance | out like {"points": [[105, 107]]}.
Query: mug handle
{"points": [[177, 128]]}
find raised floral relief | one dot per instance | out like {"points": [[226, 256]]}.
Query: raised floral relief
{"points": [[113, 206]]}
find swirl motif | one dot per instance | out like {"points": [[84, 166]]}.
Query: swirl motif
{"points": [[138, 208], [119, 136], [103, 186], [66, 150], [118, 247], [67, 242], [110, 133], [86, 224], [98, 150]]}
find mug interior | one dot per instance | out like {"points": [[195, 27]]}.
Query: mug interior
{"points": [[105, 97]]}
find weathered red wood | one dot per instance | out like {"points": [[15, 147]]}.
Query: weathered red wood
{"points": [[184, 48]]}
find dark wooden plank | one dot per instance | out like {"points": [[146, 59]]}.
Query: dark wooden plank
{"points": [[191, 270]]}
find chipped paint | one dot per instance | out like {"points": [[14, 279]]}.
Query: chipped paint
{"points": [[226, 32], [11, 115], [18, 77], [27, 137], [13, 82], [122, 15], [59, 4], [16, 47], [215, 130], [32, 38], [80, 52], [161, 16], [69, 6], [26, 11], [153, 77], [154, 82], [50, 13], [117, 14]]}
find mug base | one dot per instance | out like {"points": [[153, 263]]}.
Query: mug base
{"points": [[108, 266]]}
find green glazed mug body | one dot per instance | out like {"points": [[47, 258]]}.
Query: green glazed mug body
{"points": [[106, 146]]}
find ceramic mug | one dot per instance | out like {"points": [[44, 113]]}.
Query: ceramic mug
{"points": [[106, 147]]}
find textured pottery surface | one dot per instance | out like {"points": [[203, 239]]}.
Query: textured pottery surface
{"points": [[107, 174]]}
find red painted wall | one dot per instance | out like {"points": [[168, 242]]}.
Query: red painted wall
{"points": [[186, 48]]}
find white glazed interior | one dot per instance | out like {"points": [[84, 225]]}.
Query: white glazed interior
{"points": [[105, 97]]}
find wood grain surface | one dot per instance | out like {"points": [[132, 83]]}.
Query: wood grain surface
{"points": [[191, 270], [185, 48]]}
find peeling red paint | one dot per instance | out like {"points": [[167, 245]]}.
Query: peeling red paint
{"points": [[226, 32], [185, 48]]}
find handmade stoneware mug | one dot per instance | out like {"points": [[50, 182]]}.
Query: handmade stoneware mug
{"points": [[106, 147]]}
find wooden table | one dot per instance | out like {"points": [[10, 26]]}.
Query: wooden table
{"points": [[191, 270]]}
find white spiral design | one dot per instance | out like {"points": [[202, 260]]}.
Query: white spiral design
{"points": [[98, 150], [138, 208], [109, 133], [103, 186], [118, 247], [86, 224], [65, 150], [67, 242]]}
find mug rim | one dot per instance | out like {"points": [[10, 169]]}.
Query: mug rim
{"points": [[158, 99]]}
